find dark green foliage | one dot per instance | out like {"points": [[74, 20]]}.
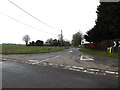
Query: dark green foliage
{"points": [[37, 43], [107, 24], [33, 43], [55, 42], [66, 43]]}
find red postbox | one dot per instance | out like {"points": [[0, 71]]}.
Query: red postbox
{"points": [[92, 45]]}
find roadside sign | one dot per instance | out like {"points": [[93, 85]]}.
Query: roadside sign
{"points": [[116, 44], [110, 50]]}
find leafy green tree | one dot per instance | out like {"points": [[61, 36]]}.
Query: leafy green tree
{"points": [[55, 42], [49, 41], [77, 39], [32, 43], [66, 43], [107, 24], [39, 43]]}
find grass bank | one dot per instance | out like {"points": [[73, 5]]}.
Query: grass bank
{"points": [[21, 49], [99, 53]]}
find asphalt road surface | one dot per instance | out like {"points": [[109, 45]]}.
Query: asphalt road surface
{"points": [[21, 75], [69, 57]]}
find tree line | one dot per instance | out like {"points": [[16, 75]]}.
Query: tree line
{"points": [[49, 42], [107, 24]]}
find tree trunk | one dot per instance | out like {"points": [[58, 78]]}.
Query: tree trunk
{"points": [[26, 43]]}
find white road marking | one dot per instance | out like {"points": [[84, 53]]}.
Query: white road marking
{"points": [[85, 71], [67, 67], [110, 72], [33, 61], [87, 58], [74, 69], [77, 67], [93, 69], [70, 51]]}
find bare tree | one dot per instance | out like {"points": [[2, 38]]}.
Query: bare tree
{"points": [[26, 38]]}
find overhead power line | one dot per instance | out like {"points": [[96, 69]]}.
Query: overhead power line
{"points": [[26, 24], [33, 16]]}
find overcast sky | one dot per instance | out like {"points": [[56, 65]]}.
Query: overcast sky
{"points": [[56, 15]]}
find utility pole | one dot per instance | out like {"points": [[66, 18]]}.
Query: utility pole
{"points": [[61, 38]]}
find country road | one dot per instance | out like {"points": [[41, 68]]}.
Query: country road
{"points": [[65, 69], [69, 57]]}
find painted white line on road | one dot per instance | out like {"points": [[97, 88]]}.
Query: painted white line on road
{"points": [[67, 67], [87, 58], [74, 69], [110, 72], [77, 67], [85, 71], [93, 69], [70, 51]]}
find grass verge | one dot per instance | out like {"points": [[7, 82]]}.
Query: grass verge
{"points": [[99, 53], [21, 49]]}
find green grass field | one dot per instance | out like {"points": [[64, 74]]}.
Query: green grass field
{"points": [[99, 53], [21, 49]]}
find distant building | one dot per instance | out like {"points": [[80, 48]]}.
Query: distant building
{"points": [[84, 42]]}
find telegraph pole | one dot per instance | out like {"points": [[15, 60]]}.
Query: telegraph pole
{"points": [[61, 38]]}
